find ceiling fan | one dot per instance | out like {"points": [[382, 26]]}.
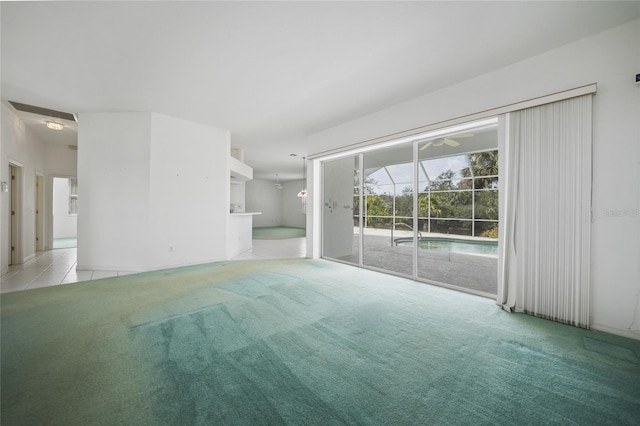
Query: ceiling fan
{"points": [[446, 141]]}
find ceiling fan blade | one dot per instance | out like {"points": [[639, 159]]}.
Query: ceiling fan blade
{"points": [[451, 142], [425, 146]]}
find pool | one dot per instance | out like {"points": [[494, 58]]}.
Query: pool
{"points": [[452, 244]]}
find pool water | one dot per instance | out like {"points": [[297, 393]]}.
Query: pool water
{"points": [[453, 245]]}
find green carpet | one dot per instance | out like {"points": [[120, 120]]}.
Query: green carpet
{"points": [[299, 342], [278, 233]]}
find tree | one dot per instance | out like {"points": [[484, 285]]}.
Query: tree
{"points": [[404, 202], [443, 182], [369, 185], [376, 206], [428, 207], [486, 203], [483, 164]]}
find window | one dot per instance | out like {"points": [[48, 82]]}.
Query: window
{"points": [[73, 196]]}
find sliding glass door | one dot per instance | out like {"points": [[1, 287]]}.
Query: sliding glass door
{"points": [[425, 209]]}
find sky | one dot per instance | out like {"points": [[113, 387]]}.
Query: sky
{"points": [[402, 174]]}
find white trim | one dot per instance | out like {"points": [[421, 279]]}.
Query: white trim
{"points": [[314, 220], [418, 137], [632, 334], [15, 163], [424, 131]]}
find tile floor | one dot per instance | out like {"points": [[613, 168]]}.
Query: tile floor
{"points": [[56, 267]]}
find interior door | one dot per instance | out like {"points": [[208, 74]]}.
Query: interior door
{"points": [[39, 213], [12, 215]]}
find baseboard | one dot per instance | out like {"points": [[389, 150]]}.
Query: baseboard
{"points": [[109, 268], [29, 258], [238, 253], [632, 334]]}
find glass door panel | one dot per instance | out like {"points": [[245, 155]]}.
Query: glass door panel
{"points": [[458, 212], [340, 208], [388, 209]]}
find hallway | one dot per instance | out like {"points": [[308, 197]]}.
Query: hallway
{"points": [[57, 267]]}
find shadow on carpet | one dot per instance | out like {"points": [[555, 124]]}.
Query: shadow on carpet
{"points": [[299, 342], [277, 233]]}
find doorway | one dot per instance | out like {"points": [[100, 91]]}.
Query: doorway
{"points": [[65, 212]]}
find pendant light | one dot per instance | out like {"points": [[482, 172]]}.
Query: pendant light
{"points": [[303, 191]]}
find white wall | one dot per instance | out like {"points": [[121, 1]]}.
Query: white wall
{"points": [[65, 225], [263, 196], [292, 214], [239, 235], [153, 192], [279, 207], [61, 160], [22, 146], [188, 193], [237, 196], [610, 59], [113, 190]]}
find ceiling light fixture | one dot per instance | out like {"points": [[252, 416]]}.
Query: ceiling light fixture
{"points": [[54, 126]]}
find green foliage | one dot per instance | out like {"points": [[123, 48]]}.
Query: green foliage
{"points": [[452, 195], [376, 206], [404, 203], [491, 233], [483, 164], [486, 205]]}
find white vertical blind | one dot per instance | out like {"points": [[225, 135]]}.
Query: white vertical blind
{"points": [[545, 262]]}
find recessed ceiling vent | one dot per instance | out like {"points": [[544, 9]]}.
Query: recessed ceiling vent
{"points": [[43, 111]]}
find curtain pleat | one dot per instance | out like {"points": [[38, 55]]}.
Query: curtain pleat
{"points": [[545, 237]]}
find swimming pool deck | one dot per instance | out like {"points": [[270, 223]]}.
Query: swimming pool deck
{"points": [[477, 273]]}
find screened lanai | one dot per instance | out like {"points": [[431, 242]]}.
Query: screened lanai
{"points": [[438, 194]]}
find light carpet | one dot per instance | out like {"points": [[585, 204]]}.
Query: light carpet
{"points": [[299, 342], [277, 233]]}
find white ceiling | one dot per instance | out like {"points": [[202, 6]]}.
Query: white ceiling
{"points": [[271, 72]]}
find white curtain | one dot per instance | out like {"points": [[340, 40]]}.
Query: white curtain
{"points": [[546, 223]]}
